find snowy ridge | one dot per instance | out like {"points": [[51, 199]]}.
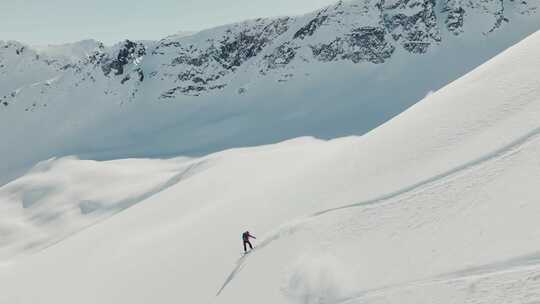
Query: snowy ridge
{"points": [[334, 72], [357, 31], [464, 232]]}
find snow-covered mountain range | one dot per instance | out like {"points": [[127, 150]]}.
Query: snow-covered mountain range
{"points": [[334, 72], [117, 184], [437, 205]]}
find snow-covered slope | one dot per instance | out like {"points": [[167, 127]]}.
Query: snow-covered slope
{"points": [[334, 72], [438, 205], [59, 197]]}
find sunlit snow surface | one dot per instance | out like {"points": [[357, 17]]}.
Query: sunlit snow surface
{"points": [[439, 205]]}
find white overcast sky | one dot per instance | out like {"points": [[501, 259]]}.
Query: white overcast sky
{"points": [[41, 22]]}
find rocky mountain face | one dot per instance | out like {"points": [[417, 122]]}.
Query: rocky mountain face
{"points": [[361, 31], [341, 70]]}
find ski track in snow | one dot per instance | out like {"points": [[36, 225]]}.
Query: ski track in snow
{"points": [[237, 268], [523, 265], [295, 225]]}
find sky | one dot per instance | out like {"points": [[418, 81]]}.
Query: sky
{"points": [[42, 22]]}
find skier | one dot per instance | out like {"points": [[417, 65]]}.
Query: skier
{"points": [[245, 237]]}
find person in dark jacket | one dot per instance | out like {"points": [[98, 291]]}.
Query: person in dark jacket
{"points": [[245, 237]]}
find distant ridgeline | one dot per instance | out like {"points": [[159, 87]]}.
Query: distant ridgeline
{"points": [[356, 31]]}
